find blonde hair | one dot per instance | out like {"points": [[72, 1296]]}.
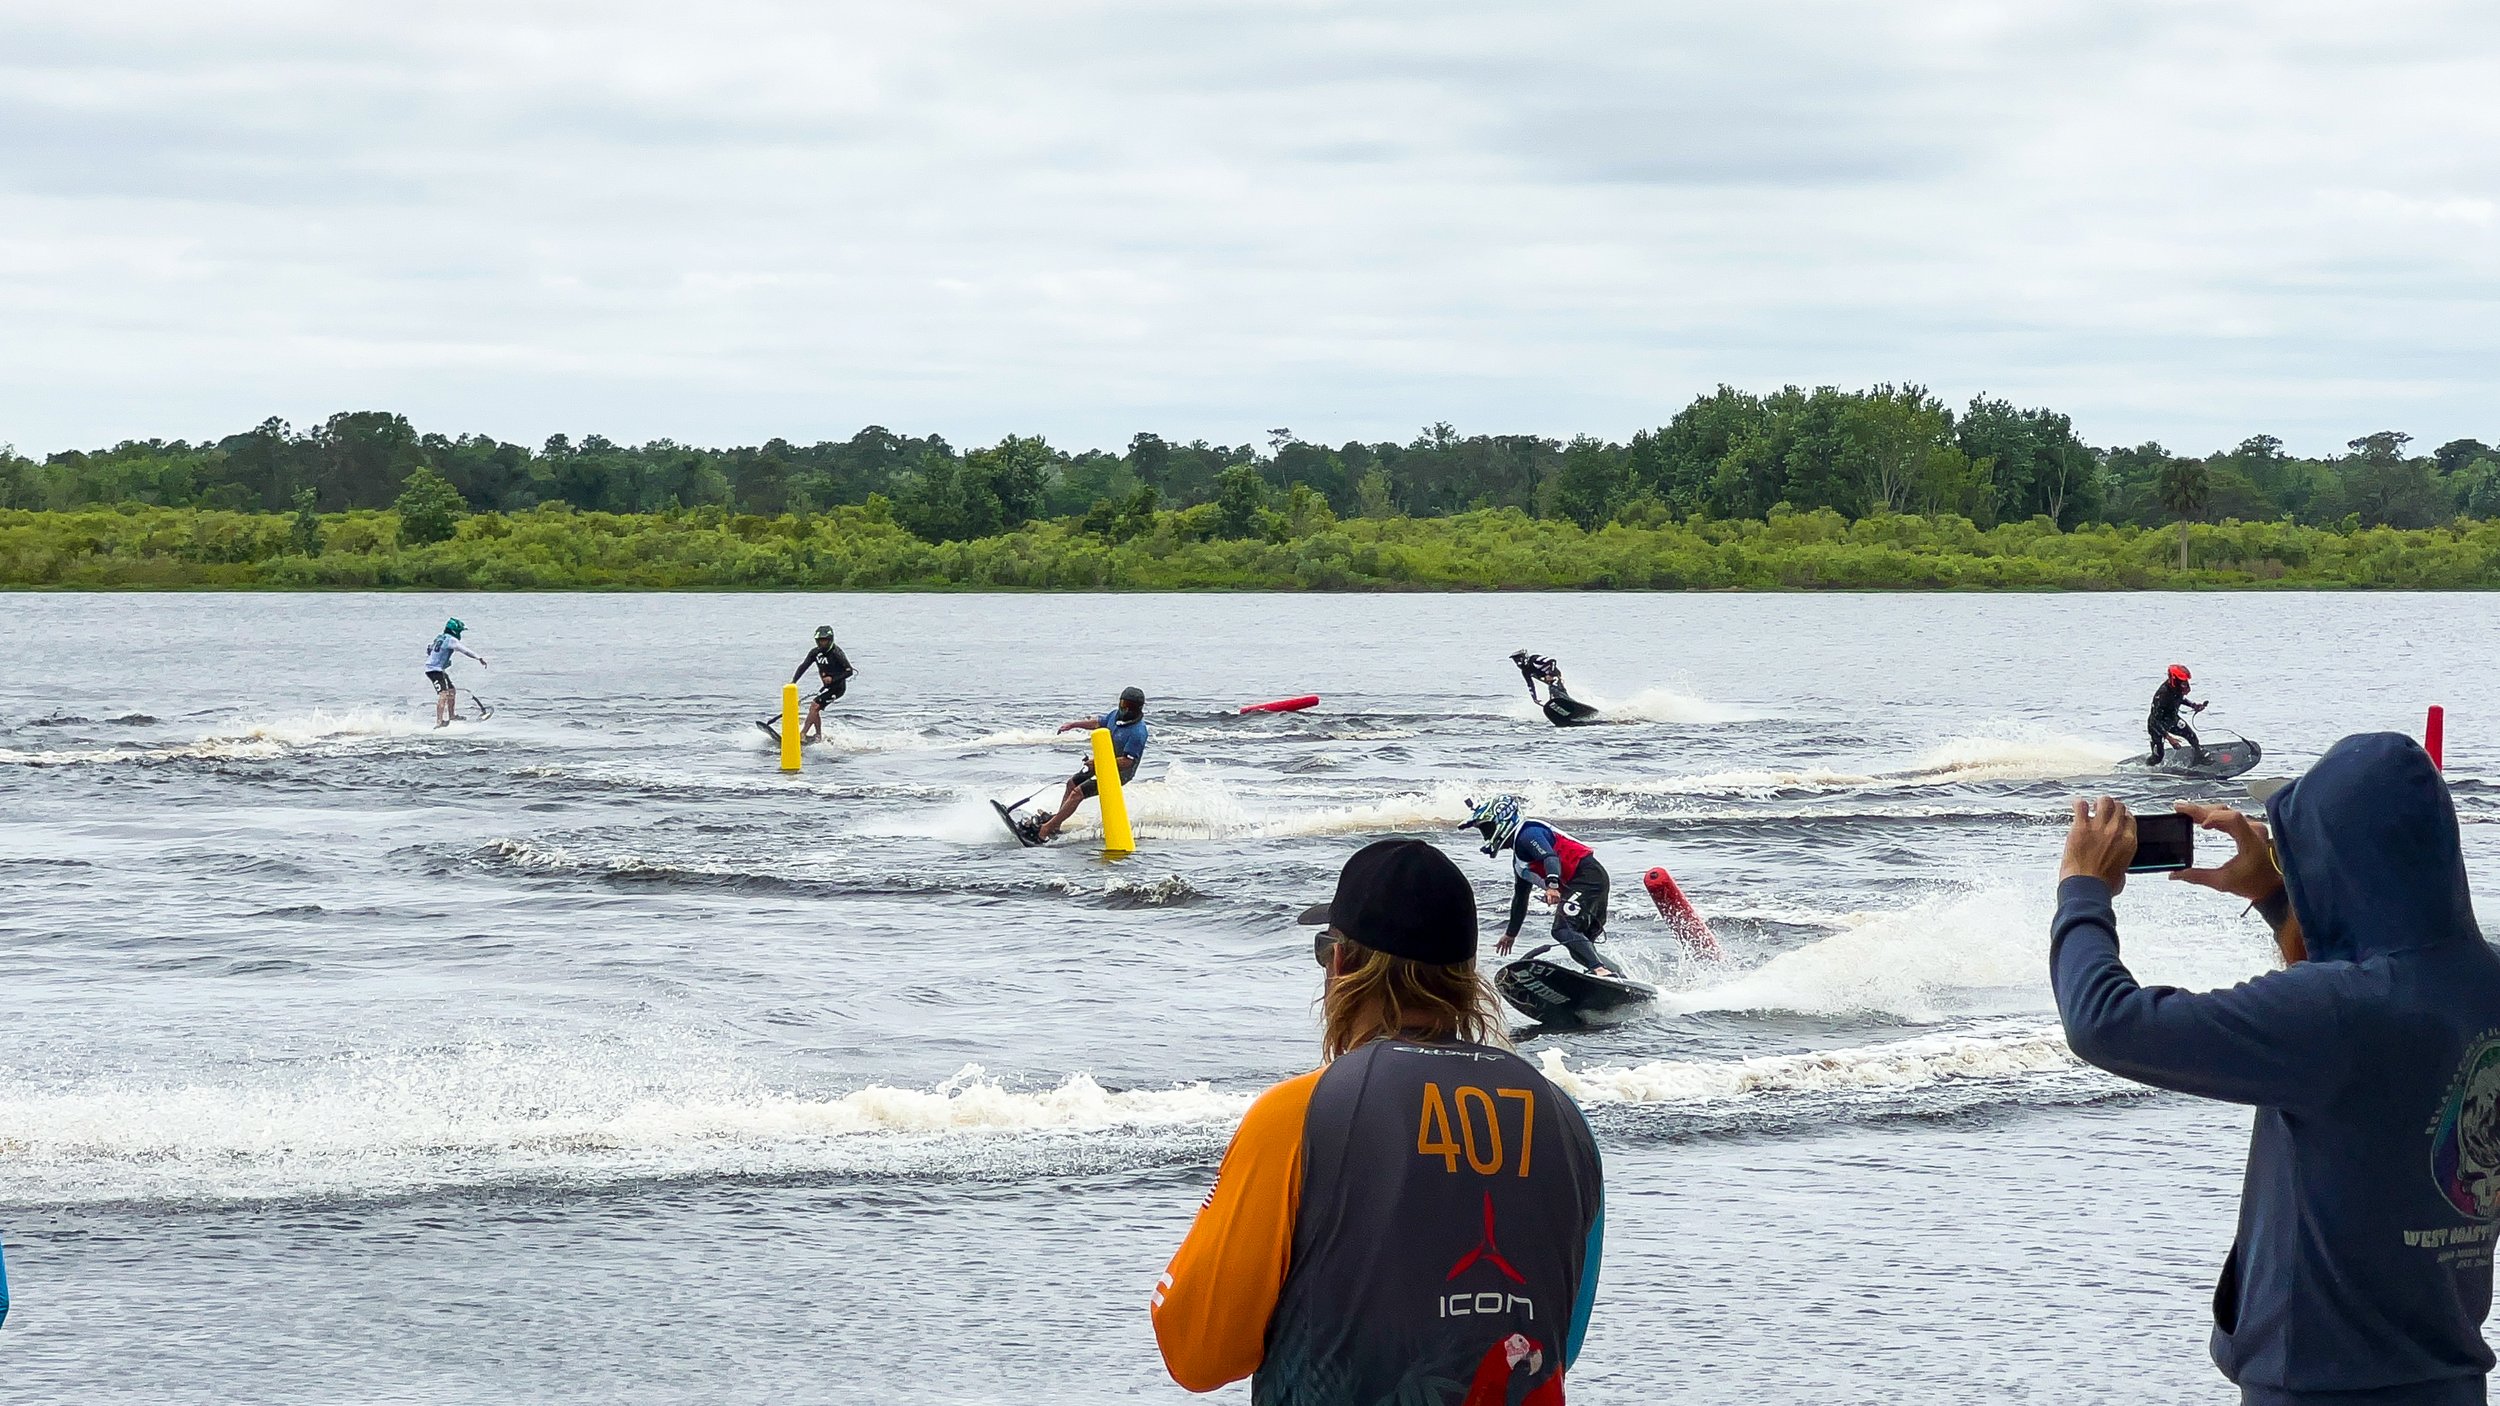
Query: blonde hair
{"points": [[1376, 996]]}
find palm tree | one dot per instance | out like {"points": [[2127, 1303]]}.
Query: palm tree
{"points": [[2185, 488]]}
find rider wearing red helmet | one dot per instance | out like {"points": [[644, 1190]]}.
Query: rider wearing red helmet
{"points": [[2165, 722]]}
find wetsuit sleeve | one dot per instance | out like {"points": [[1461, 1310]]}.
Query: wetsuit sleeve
{"points": [[1518, 906], [801, 671], [1212, 1307], [1536, 852], [842, 664], [2274, 1041]]}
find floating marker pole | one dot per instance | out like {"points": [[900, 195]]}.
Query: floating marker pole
{"points": [[1117, 838], [1682, 918], [789, 727], [2435, 736]]}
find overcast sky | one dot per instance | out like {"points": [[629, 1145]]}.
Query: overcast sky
{"points": [[2189, 220]]}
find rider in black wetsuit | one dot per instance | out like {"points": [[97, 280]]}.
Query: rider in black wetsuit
{"points": [[1537, 669], [833, 672], [2165, 722]]}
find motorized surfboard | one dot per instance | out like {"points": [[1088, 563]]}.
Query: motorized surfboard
{"points": [[1563, 710], [2224, 759], [1560, 993], [1025, 831]]}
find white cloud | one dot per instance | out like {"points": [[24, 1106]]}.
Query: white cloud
{"points": [[2183, 219]]}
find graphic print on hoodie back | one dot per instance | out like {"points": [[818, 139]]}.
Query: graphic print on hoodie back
{"points": [[2364, 1248]]}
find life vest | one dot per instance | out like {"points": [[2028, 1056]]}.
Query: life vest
{"points": [[1569, 850]]}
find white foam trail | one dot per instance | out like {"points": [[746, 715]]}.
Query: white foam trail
{"points": [[316, 728], [1974, 950], [492, 1113], [2045, 757], [841, 736], [1958, 762], [1023, 737], [1187, 804], [1889, 1068], [1650, 705], [246, 741], [1919, 964], [1667, 705], [489, 1112]]}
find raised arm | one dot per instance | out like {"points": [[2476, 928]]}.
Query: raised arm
{"points": [[2272, 1041]]}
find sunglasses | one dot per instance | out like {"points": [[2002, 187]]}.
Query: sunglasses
{"points": [[1323, 945]]}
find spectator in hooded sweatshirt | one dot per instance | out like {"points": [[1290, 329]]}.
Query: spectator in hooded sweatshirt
{"points": [[2361, 1273]]}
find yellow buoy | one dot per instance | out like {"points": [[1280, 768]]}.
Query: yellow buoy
{"points": [[789, 727], [1117, 838]]}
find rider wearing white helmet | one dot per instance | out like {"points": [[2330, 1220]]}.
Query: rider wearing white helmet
{"points": [[1563, 870]]}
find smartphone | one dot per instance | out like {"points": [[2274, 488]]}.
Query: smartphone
{"points": [[2163, 843]]}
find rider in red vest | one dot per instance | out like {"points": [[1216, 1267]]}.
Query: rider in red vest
{"points": [[1560, 868]]}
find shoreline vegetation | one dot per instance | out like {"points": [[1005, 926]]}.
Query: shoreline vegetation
{"points": [[556, 547], [1796, 490]]}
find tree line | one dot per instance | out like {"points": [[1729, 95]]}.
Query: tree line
{"points": [[556, 547], [1731, 454]]}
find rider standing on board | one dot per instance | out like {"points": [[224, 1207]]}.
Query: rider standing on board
{"points": [[833, 675], [2165, 722], [438, 670], [1127, 726], [1561, 869]]}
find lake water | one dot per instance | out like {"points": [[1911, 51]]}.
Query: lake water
{"points": [[579, 1055]]}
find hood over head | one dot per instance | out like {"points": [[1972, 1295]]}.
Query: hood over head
{"points": [[2368, 843]]}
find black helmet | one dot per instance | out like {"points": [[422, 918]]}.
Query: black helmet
{"points": [[1132, 700], [823, 633]]}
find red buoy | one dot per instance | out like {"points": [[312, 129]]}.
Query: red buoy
{"points": [[1679, 913], [1284, 705], [2435, 736]]}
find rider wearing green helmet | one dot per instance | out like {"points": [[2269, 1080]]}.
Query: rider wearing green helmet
{"points": [[833, 675], [438, 669]]}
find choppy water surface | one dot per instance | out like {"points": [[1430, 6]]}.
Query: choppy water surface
{"points": [[579, 1055]]}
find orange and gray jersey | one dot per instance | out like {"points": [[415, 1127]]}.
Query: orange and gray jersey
{"points": [[1414, 1217]]}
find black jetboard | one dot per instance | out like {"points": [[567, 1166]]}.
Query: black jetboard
{"points": [[1023, 830], [1563, 710], [772, 732], [1560, 993], [2232, 756]]}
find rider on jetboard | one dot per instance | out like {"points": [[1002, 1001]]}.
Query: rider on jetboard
{"points": [[438, 670], [1562, 870], [1127, 726], [2165, 722], [1538, 669], [833, 676]]}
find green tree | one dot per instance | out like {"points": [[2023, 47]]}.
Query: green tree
{"points": [[1593, 481], [2389, 490], [1373, 497], [1240, 494], [2459, 454], [429, 508], [2184, 487], [2478, 488], [1016, 474], [305, 530]]}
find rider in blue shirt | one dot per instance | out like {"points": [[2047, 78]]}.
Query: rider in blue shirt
{"points": [[438, 670], [1127, 724]]}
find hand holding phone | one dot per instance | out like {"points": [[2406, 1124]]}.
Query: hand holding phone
{"points": [[2163, 843]]}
